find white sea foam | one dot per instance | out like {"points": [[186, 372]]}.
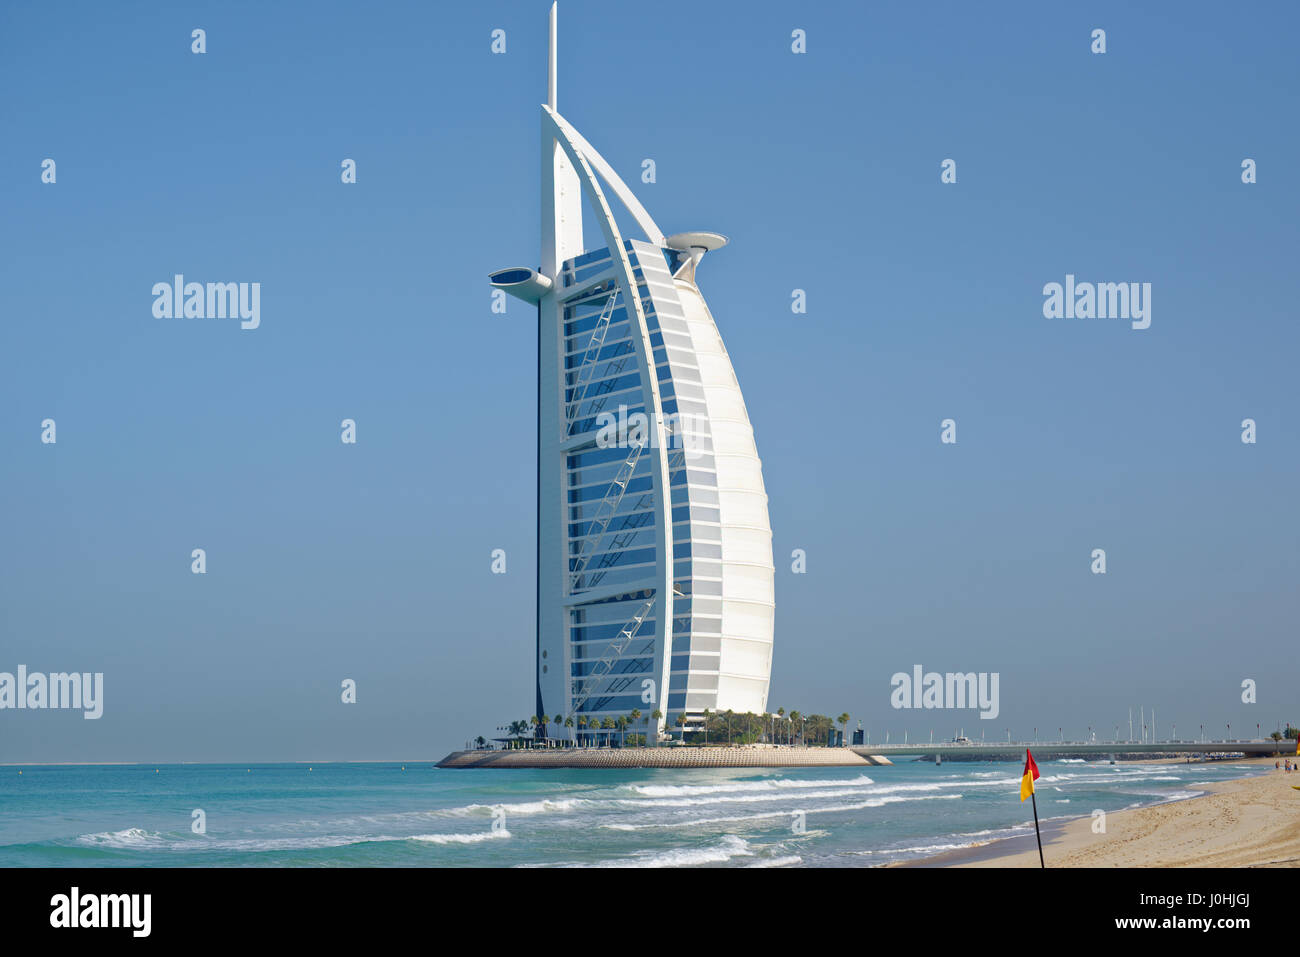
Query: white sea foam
{"points": [[1000, 831], [920, 849], [461, 838], [131, 838], [745, 798], [767, 784], [135, 838], [727, 847], [521, 808], [254, 845], [699, 822]]}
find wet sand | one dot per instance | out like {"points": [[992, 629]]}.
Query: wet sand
{"points": [[1246, 822]]}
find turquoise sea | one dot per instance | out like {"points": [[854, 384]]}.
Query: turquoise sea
{"points": [[392, 815]]}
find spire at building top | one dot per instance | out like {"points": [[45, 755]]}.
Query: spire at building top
{"points": [[550, 64]]}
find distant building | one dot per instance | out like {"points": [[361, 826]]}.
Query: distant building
{"points": [[654, 548]]}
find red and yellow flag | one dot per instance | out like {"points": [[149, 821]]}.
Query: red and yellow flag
{"points": [[1031, 773]]}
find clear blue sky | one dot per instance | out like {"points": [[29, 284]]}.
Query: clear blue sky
{"points": [[371, 561]]}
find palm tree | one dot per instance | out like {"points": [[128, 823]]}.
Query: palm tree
{"points": [[729, 714], [767, 720], [582, 721], [843, 719], [707, 715], [622, 730], [681, 723], [480, 741], [794, 717], [656, 716], [609, 725], [780, 713], [568, 723]]}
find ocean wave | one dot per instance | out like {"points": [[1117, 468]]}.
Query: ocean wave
{"points": [[461, 838], [727, 847], [138, 839], [744, 798], [1180, 795], [1093, 777], [921, 849], [767, 784], [522, 808], [766, 815], [1000, 831], [778, 862], [131, 838], [1000, 781]]}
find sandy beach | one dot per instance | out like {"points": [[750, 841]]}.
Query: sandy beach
{"points": [[1247, 822]]}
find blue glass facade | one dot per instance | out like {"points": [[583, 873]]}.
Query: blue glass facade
{"points": [[604, 384]]}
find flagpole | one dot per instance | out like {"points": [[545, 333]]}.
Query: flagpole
{"points": [[1038, 833]]}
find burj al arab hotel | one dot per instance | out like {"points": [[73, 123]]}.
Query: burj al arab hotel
{"points": [[654, 548]]}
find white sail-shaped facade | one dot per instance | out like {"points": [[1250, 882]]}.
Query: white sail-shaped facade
{"points": [[654, 548]]}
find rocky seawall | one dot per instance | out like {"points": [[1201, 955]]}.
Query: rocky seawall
{"points": [[662, 758]]}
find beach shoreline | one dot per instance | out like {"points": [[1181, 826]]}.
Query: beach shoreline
{"points": [[1248, 821]]}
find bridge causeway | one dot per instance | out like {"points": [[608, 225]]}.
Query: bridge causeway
{"points": [[1015, 750]]}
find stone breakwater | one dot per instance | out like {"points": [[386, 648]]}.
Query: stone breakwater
{"points": [[663, 758]]}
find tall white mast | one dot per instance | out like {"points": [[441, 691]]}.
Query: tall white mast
{"points": [[550, 64], [561, 191]]}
